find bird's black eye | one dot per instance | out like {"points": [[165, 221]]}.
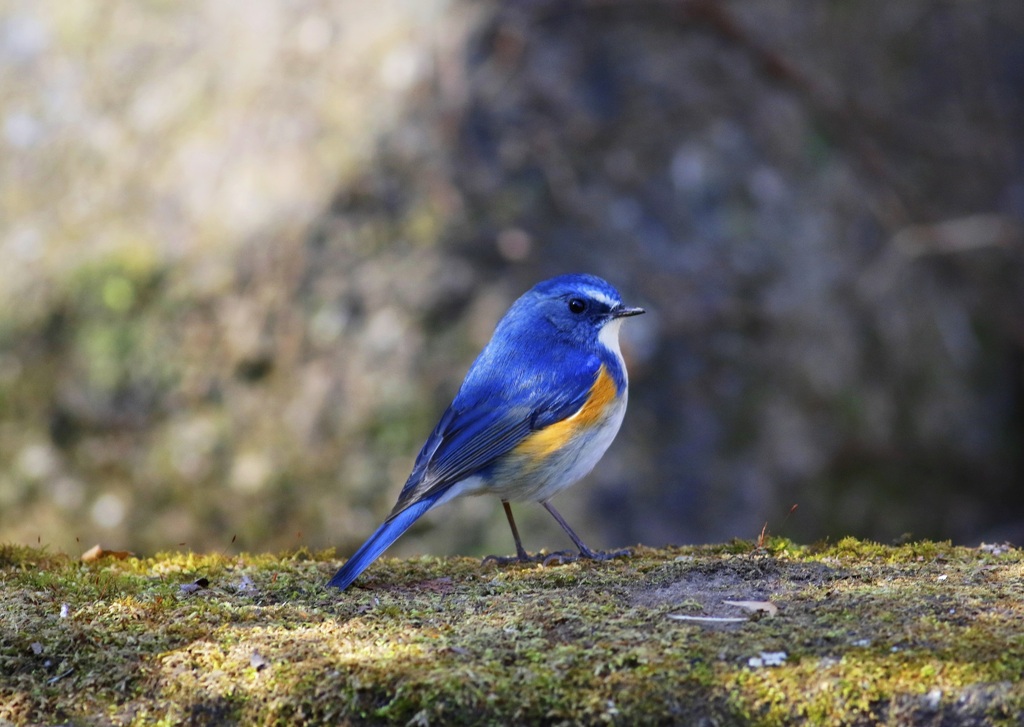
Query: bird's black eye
{"points": [[577, 305]]}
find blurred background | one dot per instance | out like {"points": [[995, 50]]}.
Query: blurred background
{"points": [[247, 254]]}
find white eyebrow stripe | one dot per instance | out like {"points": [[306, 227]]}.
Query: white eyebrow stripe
{"points": [[600, 296]]}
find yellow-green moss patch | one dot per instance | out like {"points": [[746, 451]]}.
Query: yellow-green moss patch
{"points": [[921, 633]]}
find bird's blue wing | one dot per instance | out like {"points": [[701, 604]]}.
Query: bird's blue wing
{"points": [[489, 417]]}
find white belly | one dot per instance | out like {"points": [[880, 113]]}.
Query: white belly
{"points": [[519, 479]]}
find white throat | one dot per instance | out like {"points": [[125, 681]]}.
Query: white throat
{"points": [[609, 338]]}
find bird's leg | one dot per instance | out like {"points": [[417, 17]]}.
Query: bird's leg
{"points": [[521, 555], [585, 552], [520, 550]]}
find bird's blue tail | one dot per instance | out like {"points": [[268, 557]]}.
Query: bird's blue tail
{"points": [[377, 543]]}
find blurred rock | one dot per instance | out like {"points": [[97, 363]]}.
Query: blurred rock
{"points": [[250, 258]]}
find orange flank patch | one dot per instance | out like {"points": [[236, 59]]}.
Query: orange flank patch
{"points": [[545, 442]]}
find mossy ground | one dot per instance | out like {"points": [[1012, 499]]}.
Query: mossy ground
{"points": [[924, 633]]}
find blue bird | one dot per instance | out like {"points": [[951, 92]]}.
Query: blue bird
{"points": [[536, 411]]}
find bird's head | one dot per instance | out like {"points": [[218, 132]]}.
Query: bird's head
{"points": [[577, 307]]}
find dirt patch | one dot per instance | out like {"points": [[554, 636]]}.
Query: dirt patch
{"points": [[709, 585]]}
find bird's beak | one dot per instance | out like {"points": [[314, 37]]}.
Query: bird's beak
{"points": [[623, 311]]}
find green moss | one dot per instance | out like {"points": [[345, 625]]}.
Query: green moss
{"points": [[911, 634], [920, 551]]}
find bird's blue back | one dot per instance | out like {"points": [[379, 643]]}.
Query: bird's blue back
{"points": [[531, 374]]}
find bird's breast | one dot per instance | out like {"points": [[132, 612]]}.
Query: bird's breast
{"points": [[560, 454], [600, 403]]}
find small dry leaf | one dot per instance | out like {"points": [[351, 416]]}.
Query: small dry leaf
{"points": [[767, 658], [766, 607], [194, 586], [54, 680], [996, 548], [96, 552], [709, 619]]}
